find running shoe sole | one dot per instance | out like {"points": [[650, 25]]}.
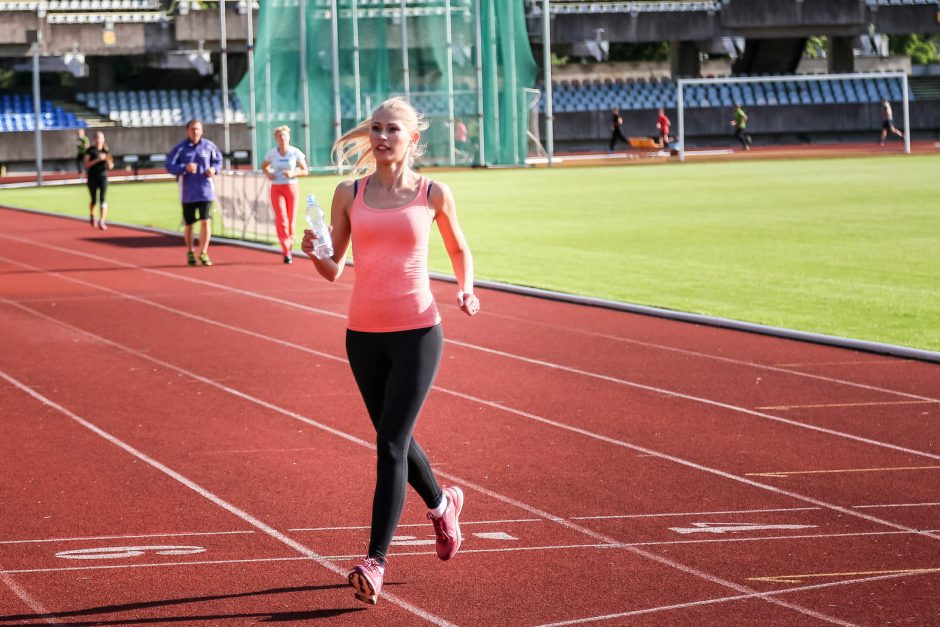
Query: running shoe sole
{"points": [[363, 588]]}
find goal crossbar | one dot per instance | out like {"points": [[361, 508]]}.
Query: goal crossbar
{"points": [[684, 82]]}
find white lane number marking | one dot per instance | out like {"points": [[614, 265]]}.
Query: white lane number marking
{"points": [[729, 527], [123, 552]]}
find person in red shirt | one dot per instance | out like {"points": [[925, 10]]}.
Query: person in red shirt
{"points": [[393, 336], [662, 124]]}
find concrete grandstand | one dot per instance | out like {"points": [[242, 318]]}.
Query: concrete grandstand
{"points": [[141, 68]]}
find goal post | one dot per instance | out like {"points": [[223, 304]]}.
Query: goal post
{"points": [[687, 85]]}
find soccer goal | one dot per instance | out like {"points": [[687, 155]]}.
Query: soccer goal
{"points": [[807, 89]]}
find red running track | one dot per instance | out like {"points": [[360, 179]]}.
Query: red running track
{"points": [[186, 445]]}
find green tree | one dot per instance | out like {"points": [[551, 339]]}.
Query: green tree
{"points": [[920, 48], [816, 47], [653, 51]]}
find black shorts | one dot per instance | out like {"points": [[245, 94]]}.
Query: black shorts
{"points": [[193, 211], [887, 125]]}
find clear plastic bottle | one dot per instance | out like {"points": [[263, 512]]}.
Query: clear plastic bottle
{"points": [[315, 223]]}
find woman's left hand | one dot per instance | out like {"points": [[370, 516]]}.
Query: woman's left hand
{"points": [[468, 303]]}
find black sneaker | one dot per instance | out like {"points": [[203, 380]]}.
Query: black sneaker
{"points": [[288, 259], [191, 258]]}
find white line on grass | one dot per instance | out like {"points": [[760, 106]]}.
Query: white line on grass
{"points": [[497, 496], [210, 496]]}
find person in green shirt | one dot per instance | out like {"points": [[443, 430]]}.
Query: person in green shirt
{"points": [[81, 146], [740, 125]]}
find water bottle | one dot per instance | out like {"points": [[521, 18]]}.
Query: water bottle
{"points": [[315, 223]]}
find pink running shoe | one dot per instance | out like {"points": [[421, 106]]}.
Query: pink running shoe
{"points": [[447, 527], [366, 579]]}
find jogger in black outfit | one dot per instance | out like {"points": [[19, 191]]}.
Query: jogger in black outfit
{"points": [[98, 161], [616, 122]]}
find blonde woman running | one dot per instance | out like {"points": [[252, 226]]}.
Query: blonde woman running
{"points": [[393, 337]]}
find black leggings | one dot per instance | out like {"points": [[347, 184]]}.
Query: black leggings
{"points": [[394, 372], [615, 135], [97, 186]]}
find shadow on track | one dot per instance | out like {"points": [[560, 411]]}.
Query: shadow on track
{"points": [[137, 241], [263, 617]]}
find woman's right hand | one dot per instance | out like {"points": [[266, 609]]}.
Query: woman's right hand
{"points": [[310, 241]]}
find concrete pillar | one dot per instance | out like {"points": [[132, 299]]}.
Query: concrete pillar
{"points": [[840, 55], [100, 74], [684, 59]]}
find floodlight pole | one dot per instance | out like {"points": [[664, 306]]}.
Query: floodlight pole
{"points": [[547, 71], [337, 105], [252, 110], [405, 67], [305, 123], [37, 106], [224, 50], [515, 96], [357, 80], [449, 33], [481, 132], [494, 70]]}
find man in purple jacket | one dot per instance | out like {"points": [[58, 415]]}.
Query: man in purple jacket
{"points": [[194, 161]]}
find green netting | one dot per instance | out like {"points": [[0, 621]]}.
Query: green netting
{"points": [[485, 93]]}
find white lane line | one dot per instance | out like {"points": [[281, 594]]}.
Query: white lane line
{"points": [[210, 496], [62, 569], [38, 608], [576, 371], [743, 597], [684, 514], [843, 405], [836, 471], [707, 469], [477, 487], [705, 401], [472, 346], [530, 416], [462, 522], [463, 550], [745, 511], [500, 406], [876, 505], [145, 535], [493, 522], [780, 368]]}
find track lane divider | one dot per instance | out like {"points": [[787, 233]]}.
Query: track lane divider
{"points": [[210, 496], [529, 360], [481, 489]]}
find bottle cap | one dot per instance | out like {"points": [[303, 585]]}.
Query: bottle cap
{"points": [[311, 199]]}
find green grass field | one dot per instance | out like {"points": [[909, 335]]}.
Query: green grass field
{"points": [[845, 247]]}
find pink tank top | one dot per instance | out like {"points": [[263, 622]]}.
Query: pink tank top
{"points": [[392, 290]]}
